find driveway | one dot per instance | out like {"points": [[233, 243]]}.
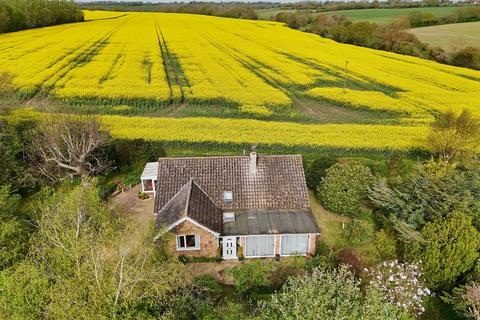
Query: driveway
{"points": [[128, 202]]}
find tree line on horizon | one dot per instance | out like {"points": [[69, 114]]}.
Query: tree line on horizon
{"points": [[27, 14], [392, 37], [200, 7]]}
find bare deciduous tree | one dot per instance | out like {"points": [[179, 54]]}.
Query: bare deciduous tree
{"points": [[69, 146]]}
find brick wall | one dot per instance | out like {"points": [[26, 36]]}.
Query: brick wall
{"points": [[208, 242], [313, 242], [243, 242], [278, 243]]}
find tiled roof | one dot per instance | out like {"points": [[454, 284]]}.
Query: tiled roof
{"points": [[202, 209], [191, 201], [175, 208], [278, 183]]}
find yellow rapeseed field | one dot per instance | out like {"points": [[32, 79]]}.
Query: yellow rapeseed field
{"points": [[131, 60], [250, 131], [98, 15]]}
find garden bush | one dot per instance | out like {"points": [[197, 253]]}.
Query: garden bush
{"points": [[208, 282], [317, 170], [465, 300], [321, 248], [401, 284], [395, 169], [14, 231], [328, 294], [344, 187], [130, 152], [347, 257], [357, 232], [386, 246], [252, 276], [287, 267], [432, 191], [450, 248], [324, 261], [106, 190]]}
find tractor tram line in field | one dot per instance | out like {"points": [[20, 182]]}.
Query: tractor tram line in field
{"points": [[34, 48], [51, 30], [255, 66], [250, 64], [116, 63], [173, 70], [80, 59], [353, 80], [163, 54], [231, 70], [70, 61]]}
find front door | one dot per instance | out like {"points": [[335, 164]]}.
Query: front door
{"points": [[229, 247]]}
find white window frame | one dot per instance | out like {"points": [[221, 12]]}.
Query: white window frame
{"points": [[295, 234], [261, 235], [228, 216], [196, 247], [228, 196]]}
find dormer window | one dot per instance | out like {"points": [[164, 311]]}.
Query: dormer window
{"points": [[228, 216], [228, 196]]}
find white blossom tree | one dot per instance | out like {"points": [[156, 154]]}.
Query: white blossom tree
{"points": [[400, 284], [329, 295]]}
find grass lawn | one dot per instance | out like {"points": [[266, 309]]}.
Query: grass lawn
{"points": [[450, 36], [331, 232]]}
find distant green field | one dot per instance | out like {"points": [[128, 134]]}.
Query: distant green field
{"points": [[266, 14], [372, 15], [387, 15], [450, 36]]}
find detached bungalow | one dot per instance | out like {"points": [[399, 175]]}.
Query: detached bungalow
{"points": [[220, 205]]}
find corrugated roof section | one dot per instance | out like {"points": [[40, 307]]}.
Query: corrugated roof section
{"points": [[274, 221], [150, 171]]}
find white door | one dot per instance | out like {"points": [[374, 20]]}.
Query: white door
{"points": [[229, 247]]}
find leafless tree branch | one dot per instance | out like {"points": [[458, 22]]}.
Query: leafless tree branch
{"points": [[69, 146]]}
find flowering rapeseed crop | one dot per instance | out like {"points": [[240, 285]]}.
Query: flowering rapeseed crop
{"points": [[248, 131], [164, 58], [259, 67]]}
